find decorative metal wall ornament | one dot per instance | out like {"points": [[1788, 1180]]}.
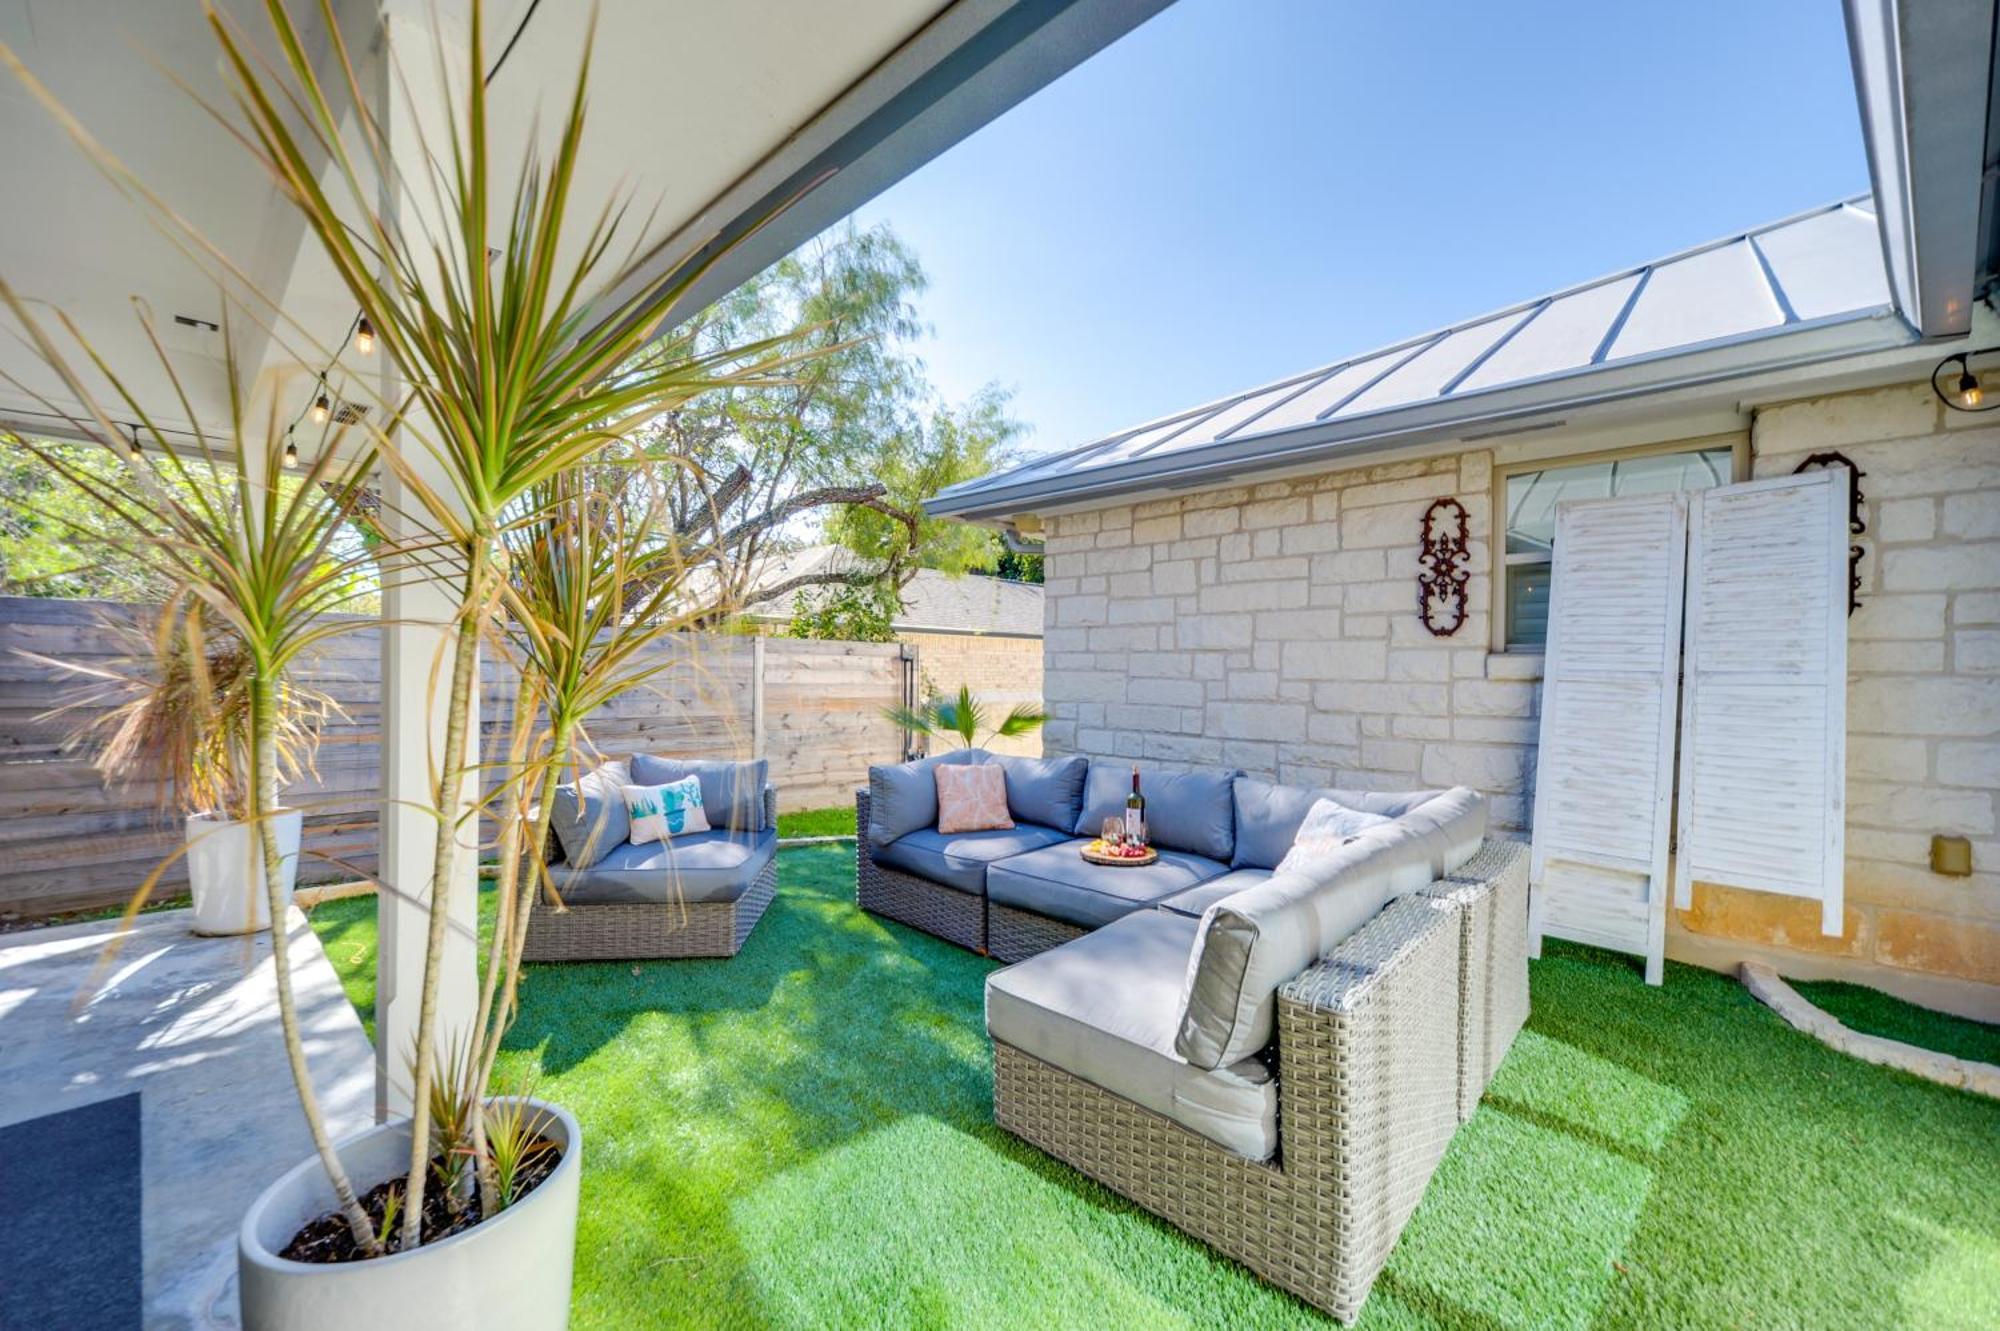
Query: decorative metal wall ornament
{"points": [[1855, 522], [1444, 550]]}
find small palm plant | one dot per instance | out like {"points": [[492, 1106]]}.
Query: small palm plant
{"points": [[256, 570], [963, 718]]}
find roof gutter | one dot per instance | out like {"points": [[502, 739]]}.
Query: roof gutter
{"points": [[1795, 346]]}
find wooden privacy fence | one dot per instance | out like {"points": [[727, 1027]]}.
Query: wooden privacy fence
{"points": [[70, 842]]}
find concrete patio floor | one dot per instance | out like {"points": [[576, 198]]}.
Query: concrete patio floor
{"points": [[192, 1025]]}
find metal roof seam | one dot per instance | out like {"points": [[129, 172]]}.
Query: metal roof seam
{"points": [[1414, 352], [1624, 313], [1451, 384], [1771, 280]]}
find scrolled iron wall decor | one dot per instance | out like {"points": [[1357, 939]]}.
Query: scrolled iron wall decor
{"points": [[1855, 522], [1444, 540]]}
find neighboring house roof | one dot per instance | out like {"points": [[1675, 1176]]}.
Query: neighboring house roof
{"points": [[1807, 288], [933, 602]]}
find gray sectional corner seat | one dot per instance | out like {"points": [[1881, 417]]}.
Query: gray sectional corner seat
{"points": [[696, 895], [1274, 1061]]}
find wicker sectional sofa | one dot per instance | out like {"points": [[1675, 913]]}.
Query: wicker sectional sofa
{"points": [[692, 896], [1273, 1062]]}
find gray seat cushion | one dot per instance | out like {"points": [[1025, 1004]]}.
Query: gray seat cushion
{"points": [[902, 797], [1190, 811], [708, 866], [732, 793], [1198, 899], [1048, 791], [1268, 815], [1057, 882], [588, 814], [959, 859], [1102, 1007]]}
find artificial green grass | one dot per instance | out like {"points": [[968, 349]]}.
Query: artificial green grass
{"points": [[838, 821], [1873, 1012], [802, 1136]]}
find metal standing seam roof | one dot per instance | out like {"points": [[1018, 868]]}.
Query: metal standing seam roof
{"points": [[1819, 267]]}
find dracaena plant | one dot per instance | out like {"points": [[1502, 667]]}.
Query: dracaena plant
{"points": [[516, 375], [254, 569], [963, 718]]}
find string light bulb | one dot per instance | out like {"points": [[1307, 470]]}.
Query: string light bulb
{"points": [[322, 410], [291, 453], [364, 337], [1969, 391]]}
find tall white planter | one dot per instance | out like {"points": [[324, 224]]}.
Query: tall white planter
{"points": [[226, 871], [511, 1272]]}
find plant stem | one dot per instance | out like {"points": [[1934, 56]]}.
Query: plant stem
{"points": [[450, 796], [263, 808], [518, 744]]}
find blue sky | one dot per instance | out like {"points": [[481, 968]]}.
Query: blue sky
{"points": [[1244, 188]]}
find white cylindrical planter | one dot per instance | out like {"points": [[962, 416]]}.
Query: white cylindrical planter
{"points": [[512, 1271], [226, 871]]}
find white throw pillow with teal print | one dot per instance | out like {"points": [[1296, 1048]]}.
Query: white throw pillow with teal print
{"points": [[660, 812]]}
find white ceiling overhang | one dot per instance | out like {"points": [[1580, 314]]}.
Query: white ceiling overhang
{"points": [[706, 116]]}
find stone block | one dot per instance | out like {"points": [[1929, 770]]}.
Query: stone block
{"points": [[1484, 767], [1216, 630], [1969, 762], [1152, 531], [1930, 705], [1902, 520], [1418, 664], [1083, 610], [1976, 652], [1346, 659], [1898, 616], [1494, 697], [1976, 608], [1920, 807], [1773, 920], [1969, 567], [1174, 577], [1887, 758], [1848, 419], [1272, 513], [1252, 720], [1938, 944], [1884, 657], [1210, 521], [1391, 755]]}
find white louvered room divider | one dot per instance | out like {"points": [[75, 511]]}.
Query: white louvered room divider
{"points": [[1764, 709], [1755, 671], [1603, 792]]}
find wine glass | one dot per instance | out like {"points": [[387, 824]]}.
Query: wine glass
{"points": [[1114, 832]]}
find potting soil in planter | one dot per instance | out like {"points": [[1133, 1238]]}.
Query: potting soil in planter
{"points": [[327, 1238]]}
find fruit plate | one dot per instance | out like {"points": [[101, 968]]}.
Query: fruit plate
{"points": [[1098, 853]]}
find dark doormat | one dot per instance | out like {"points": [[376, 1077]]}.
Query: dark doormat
{"points": [[69, 1220]]}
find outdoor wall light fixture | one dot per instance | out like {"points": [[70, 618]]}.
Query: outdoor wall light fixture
{"points": [[1965, 394], [364, 336]]}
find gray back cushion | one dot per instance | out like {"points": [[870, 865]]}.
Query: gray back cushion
{"points": [[1048, 791], [1268, 815], [732, 793], [1452, 825], [902, 797], [1189, 811], [588, 815], [1252, 942]]}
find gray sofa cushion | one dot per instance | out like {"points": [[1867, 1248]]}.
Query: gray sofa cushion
{"points": [[708, 866], [1254, 941], [1048, 791], [1268, 815], [1196, 900], [588, 814], [732, 793], [1452, 825], [1057, 882], [902, 797], [959, 859], [1189, 811], [1103, 1008]]}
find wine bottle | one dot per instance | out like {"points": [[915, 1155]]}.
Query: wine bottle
{"points": [[1135, 812]]}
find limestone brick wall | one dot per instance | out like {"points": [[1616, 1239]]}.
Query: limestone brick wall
{"points": [[1272, 627], [1003, 673]]}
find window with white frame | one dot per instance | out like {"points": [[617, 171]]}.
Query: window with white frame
{"points": [[1531, 497]]}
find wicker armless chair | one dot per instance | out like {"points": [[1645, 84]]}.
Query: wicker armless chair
{"points": [[957, 917], [654, 930], [1369, 1089]]}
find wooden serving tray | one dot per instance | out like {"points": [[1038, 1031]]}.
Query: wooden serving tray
{"points": [[1095, 853]]}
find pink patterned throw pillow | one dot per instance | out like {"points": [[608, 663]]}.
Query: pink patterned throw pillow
{"points": [[972, 797]]}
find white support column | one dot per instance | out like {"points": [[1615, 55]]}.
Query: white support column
{"points": [[418, 610]]}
